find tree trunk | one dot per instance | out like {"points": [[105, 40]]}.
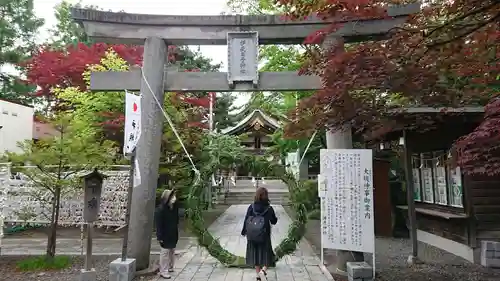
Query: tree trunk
{"points": [[51, 240]]}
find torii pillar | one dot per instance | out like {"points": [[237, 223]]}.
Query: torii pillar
{"points": [[340, 139], [141, 225]]}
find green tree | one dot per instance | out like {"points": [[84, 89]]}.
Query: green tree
{"points": [[18, 28], [66, 31], [56, 163], [96, 108], [222, 151], [188, 59], [252, 7], [223, 105]]}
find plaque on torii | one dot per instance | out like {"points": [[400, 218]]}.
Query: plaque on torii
{"points": [[243, 58]]}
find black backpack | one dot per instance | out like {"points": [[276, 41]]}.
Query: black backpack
{"points": [[256, 226]]}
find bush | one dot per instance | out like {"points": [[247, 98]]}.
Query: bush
{"points": [[44, 263], [309, 195], [314, 214]]}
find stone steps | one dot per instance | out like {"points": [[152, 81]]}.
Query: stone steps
{"points": [[281, 198], [233, 201], [243, 192]]}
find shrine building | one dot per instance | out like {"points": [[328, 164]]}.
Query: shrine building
{"points": [[258, 128]]}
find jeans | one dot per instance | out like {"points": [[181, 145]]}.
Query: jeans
{"points": [[166, 260]]}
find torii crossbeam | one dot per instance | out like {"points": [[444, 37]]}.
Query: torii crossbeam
{"points": [[127, 28]]}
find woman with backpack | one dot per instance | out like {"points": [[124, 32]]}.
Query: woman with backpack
{"points": [[257, 228], [167, 231]]}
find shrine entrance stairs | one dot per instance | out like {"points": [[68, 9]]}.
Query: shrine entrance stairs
{"points": [[243, 192]]}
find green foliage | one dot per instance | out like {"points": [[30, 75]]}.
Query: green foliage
{"points": [[205, 239], [188, 59], [298, 227], [253, 7], [308, 195], [224, 105], [18, 28], [41, 263], [67, 31], [222, 151], [259, 166], [56, 164], [282, 146], [58, 159], [89, 107], [314, 214]]}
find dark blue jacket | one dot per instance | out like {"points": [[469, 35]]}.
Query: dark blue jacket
{"points": [[167, 225], [259, 207]]}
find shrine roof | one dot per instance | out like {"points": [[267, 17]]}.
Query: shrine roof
{"points": [[255, 114], [421, 119]]}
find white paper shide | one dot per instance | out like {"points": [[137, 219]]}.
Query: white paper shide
{"points": [[347, 221], [137, 173], [132, 122]]}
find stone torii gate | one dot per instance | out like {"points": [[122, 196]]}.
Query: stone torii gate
{"points": [[241, 33]]}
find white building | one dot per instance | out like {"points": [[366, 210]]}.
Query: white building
{"points": [[16, 125]]}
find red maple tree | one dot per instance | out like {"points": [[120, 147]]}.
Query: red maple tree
{"points": [[199, 107], [445, 55], [50, 68]]}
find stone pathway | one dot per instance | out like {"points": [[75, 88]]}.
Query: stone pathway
{"points": [[197, 265], [194, 263]]}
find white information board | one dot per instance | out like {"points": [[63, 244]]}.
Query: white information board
{"points": [[347, 221]]}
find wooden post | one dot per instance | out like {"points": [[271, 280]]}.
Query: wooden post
{"points": [[410, 190], [88, 255]]}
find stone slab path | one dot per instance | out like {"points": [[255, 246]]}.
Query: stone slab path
{"points": [[197, 265], [194, 263]]}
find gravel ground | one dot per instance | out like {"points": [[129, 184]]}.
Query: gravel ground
{"points": [[8, 271], [392, 254], [437, 265]]}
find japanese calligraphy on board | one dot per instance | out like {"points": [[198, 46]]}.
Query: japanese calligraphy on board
{"points": [[242, 57], [347, 221], [132, 122]]}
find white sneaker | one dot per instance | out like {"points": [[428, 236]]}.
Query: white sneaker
{"points": [[165, 276]]}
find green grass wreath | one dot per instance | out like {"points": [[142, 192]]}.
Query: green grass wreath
{"points": [[205, 239]]}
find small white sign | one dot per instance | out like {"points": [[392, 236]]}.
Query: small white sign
{"points": [[321, 187], [137, 173], [347, 221], [292, 162], [132, 122], [243, 57]]}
